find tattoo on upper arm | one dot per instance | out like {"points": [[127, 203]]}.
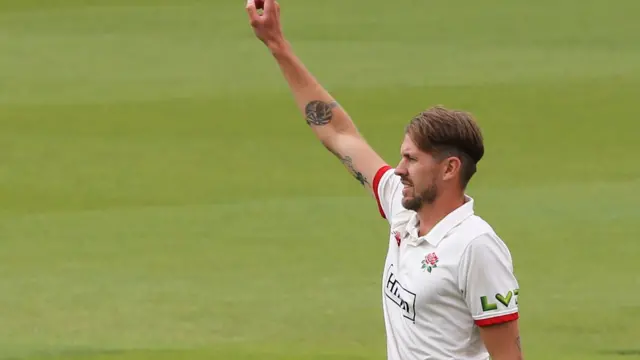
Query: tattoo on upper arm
{"points": [[348, 162], [319, 112], [518, 343]]}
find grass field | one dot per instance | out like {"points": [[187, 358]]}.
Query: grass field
{"points": [[163, 199]]}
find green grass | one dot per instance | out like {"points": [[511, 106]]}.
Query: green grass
{"points": [[163, 199]]}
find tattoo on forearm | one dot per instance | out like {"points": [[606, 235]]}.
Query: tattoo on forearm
{"points": [[348, 162], [319, 112], [518, 343]]}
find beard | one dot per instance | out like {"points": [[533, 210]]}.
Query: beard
{"points": [[428, 196]]}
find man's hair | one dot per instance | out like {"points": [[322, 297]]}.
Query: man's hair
{"points": [[443, 133]]}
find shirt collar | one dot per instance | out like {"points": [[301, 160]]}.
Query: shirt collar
{"points": [[444, 226]]}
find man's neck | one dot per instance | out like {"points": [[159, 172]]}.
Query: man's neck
{"points": [[430, 215]]}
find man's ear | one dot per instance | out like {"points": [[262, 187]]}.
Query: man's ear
{"points": [[451, 168]]}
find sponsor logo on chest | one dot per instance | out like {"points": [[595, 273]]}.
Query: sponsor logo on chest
{"points": [[399, 295]]}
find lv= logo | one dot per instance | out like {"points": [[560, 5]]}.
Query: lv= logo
{"points": [[502, 299]]}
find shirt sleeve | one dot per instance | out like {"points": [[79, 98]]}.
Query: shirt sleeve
{"points": [[386, 186], [488, 282]]}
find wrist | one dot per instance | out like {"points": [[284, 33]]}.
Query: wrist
{"points": [[278, 47]]}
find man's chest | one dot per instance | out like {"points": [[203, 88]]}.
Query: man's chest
{"points": [[419, 278]]}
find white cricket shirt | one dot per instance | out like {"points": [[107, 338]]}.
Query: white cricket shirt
{"points": [[439, 288]]}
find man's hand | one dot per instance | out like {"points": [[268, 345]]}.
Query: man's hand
{"points": [[266, 26]]}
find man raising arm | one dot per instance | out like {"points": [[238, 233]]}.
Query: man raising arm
{"points": [[461, 307], [328, 120]]}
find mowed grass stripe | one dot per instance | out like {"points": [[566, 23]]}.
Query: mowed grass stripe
{"points": [[107, 54], [236, 148]]}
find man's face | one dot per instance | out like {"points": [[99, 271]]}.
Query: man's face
{"points": [[420, 174]]}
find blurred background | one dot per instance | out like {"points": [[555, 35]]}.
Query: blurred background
{"points": [[162, 198]]}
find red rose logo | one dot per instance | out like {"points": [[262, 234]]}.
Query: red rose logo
{"points": [[430, 262]]}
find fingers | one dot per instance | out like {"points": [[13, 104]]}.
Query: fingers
{"points": [[270, 7], [254, 17]]}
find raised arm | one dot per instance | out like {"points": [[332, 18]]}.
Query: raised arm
{"points": [[328, 120]]}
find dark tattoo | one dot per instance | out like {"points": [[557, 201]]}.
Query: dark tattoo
{"points": [[348, 162], [518, 343], [319, 112]]}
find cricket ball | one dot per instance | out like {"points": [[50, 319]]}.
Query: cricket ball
{"points": [[259, 4]]}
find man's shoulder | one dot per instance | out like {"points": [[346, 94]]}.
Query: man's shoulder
{"points": [[478, 232], [477, 226], [481, 237], [386, 188]]}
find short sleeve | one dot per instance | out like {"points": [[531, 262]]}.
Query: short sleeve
{"points": [[386, 186], [488, 282]]}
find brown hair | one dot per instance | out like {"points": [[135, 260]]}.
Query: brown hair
{"points": [[443, 133]]}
